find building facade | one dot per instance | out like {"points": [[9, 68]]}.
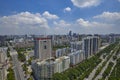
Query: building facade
{"points": [[76, 57], [3, 66], [43, 70], [90, 45], [42, 48]]}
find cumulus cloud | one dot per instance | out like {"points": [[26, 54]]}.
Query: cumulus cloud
{"points": [[83, 26], [88, 24], [111, 17], [61, 23], [47, 15], [35, 23], [61, 27], [94, 26], [85, 3], [22, 23], [106, 22], [84, 23], [67, 9]]}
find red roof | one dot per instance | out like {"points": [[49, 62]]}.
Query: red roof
{"points": [[42, 38]]}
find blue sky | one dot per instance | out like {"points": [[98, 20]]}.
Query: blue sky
{"points": [[59, 16]]}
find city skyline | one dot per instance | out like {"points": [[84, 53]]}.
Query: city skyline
{"points": [[58, 17]]}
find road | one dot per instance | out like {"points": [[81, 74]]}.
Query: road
{"points": [[111, 70], [105, 67], [90, 77], [92, 74], [99, 76], [115, 62], [19, 75]]}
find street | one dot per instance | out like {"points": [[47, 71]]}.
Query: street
{"points": [[19, 75]]}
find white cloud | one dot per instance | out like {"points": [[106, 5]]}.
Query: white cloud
{"points": [[47, 15], [61, 27], [82, 26], [85, 3], [109, 17], [67, 9], [88, 24], [61, 23], [84, 23], [22, 23], [29, 23], [94, 26], [119, 0]]}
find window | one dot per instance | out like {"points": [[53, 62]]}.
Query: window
{"points": [[45, 47], [44, 41]]}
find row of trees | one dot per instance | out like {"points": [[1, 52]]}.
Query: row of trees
{"points": [[21, 55], [78, 72], [107, 49], [10, 75], [60, 46], [8, 52], [115, 75], [83, 69], [22, 58], [99, 69], [111, 47], [107, 71]]}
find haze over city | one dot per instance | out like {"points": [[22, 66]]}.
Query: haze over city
{"points": [[59, 16]]}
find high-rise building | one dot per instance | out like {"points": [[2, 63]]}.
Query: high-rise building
{"points": [[70, 33], [112, 39], [90, 45], [42, 48], [86, 47], [96, 44]]}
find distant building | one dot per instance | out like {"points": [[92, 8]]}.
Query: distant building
{"points": [[70, 33], [62, 52], [2, 40], [112, 39], [77, 45], [58, 53], [42, 48]]}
